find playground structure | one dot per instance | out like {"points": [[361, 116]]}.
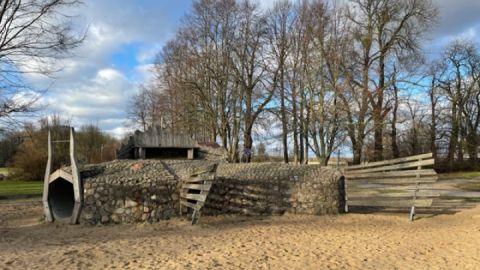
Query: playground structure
{"points": [[62, 190], [151, 190]]}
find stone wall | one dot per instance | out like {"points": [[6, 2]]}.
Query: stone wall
{"points": [[128, 191], [148, 190], [274, 189]]}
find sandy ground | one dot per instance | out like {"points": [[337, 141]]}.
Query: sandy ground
{"points": [[353, 241]]}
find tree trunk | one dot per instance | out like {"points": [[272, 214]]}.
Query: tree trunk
{"points": [[395, 150], [284, 116]]}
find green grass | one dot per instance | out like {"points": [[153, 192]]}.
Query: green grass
{"points": [[469, 186], [462, 175], [466, 199], [10, 188]]}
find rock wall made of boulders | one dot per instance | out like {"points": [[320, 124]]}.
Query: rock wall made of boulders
{"points": [[275, 189], [127, 191]]}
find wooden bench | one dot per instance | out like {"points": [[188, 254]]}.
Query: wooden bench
{"points": [[401, 182], [195, 190]]}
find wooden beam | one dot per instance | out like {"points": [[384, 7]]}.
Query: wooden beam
{"points": [[200, 178], [391, 203], [389, 162], [203, 170], [205, 187], [366, 194], [61, 174], [191, 205], [407, 165], [197, 197], [351, 175], [353, 186], [396, 181]]}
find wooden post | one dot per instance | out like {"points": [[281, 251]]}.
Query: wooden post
{"points": [[190, 154], [141, 153], [412, 210], [345, 187], [77, 185], [46, 181]]}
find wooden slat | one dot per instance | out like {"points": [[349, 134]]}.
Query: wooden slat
{"points": [[391, 203], [397, 181], [205, 187], [197, 197], [203, 170], [407, 165], [401, 194], [353, 186], [61, 174], [356, 175], [191, 205], [200, 179], [389, 162]]}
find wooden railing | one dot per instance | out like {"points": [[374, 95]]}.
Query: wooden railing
{"points": [[402, 182]]}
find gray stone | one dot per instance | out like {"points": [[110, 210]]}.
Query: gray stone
{"points": [[130, 203]]}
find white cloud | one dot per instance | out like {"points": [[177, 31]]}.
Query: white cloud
{"points": [[90, 88], [101, 100]]}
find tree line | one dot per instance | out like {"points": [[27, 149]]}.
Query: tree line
{"points": [[25, 150], [325, 76]]}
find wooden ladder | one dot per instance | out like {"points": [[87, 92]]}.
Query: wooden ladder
{"points": [[195, 190]]}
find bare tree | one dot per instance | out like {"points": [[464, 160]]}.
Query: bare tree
{"points": [[33, 35], [280, 23], [459, 78], [384, 30]]}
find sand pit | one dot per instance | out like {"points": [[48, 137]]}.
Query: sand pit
{"points": [[353, 241]]}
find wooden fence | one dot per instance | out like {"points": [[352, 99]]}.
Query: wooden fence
{"points": [[402, 182]]}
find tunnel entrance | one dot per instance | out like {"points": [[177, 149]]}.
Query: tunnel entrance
{"points": [[166, 153], [61, 199]]}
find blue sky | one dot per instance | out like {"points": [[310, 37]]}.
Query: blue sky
{"points": [[124, 37]]}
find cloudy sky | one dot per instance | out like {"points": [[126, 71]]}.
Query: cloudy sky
{"points": [[125, 35]]}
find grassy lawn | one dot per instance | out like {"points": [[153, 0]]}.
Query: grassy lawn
{"points": [[9, 188], [470, 186], [461, 175], [466, 199]]}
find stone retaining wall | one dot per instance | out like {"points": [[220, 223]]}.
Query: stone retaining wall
{"points": [[128, 191], [148, 190], [273, 189]]}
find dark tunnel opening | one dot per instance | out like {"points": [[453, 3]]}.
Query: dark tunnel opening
{"points": [[61, 199], [166, 153]]}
